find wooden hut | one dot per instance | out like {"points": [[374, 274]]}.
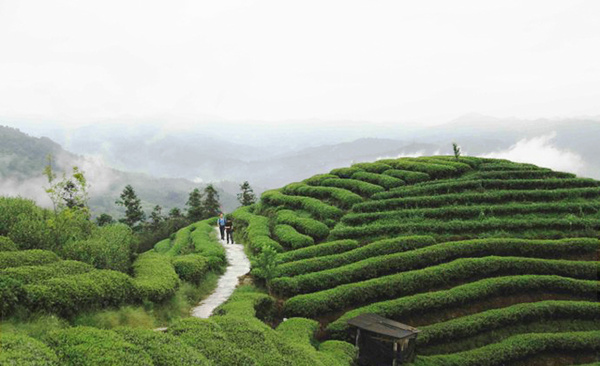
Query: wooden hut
{"points": [[383, 342]]}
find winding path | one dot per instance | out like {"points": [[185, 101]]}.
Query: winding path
{"points": [[238, 265]]}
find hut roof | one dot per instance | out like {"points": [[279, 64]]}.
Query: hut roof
{"points": [[378, 324]]}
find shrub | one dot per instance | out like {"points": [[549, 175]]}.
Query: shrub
{"points": [[430, 302], [90, 346], [71, 294], [384, 181], [256, 230], [372, 167], [345, 172], [315, 207], [316, 180], [408, 176], [110, 247], [206, 243], [10, 210], [11, 291], [338, 196], [518, 347], [460, 167], [289, 237], [164, 349], [191, 267], [27, 258], [316, 229], [521, 174], [489, 320], [155, 278], [7, 245], [329, 248], [375, 249], [25, 351], [408, 283], [435, 171], [33, 274], [359, 187]]}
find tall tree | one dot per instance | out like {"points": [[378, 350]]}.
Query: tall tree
{"points": [[175, 213], [71, 192], [195, 209], [246, 196], [212, 207], [133, 207], [156, 217], [104, 219]]}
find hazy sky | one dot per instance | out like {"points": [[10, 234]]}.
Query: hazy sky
{"points": [[427, 61]]}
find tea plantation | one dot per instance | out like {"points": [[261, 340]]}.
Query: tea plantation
{"points": [[495, 262]]}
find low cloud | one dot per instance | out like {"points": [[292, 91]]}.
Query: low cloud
{"points": [[541, 151]]}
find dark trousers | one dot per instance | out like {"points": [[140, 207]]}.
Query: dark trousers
{"points": [[229, 236], [222, 229]]}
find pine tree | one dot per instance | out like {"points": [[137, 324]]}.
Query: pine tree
{"points": [[175, 213], [247, 196], [195, 209], [133, 207], [156, 217], [211, 205]]}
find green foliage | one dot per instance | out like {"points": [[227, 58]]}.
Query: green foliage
{"points": [[104, 219], [27, 258], [195, 211], [265, 264], [155, 278], [163, 349], [339, 197], [435, 171], [520, 174], [498, 318], [361, 188], [212, 206], [290, 238], [33, 274], [246, 197], [378, 248], [11, 291], [256, 232], [72, 294], [313, 228], [318, 209], [7, 245], [519, 347], [372, 167], [25, 351], [90, 346], [384, 181], [408, 176], [191, 267], [133, 208], [10, 210], [110, 247], [456, 150], [70, 192], [411, 282], [206, 244], [420, 305], [324, 249]]}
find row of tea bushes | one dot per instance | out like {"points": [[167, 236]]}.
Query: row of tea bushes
{"points": [[410, 177], [155, 277], [290, 238], [339, 197], [520, 347], [520, 174], [7, 245], [366, 264], [565, 227], [256, 230], [191, 267], [33, 274], [375, 249], [385, 181], [489, 197], [364, 189], [420, 305], [433, 170], [408, 283], [324, 249], [32, 257], [318, 209], [313, 228], [490, 320], [458, 186], [577, 208]]}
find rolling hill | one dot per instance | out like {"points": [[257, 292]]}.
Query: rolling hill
{"points": [[496, 262]]}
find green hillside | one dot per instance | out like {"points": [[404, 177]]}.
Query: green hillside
{"points": [[495, 262]]}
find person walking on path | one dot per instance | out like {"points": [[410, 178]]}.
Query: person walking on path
{"points": [[221, 222], [229, 230]]}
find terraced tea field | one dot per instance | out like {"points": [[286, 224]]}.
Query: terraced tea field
{"points": [[495, 262]]}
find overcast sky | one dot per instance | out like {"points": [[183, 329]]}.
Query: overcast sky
{"points": [[381, 61]]}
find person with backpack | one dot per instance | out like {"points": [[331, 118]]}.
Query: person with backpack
{"points": [[221, 223], [229, 230]]}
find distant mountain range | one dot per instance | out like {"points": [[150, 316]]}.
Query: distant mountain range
{"points": [[23, 158]]}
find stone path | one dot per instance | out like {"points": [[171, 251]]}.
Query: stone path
{"points": [[238, 265]]}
